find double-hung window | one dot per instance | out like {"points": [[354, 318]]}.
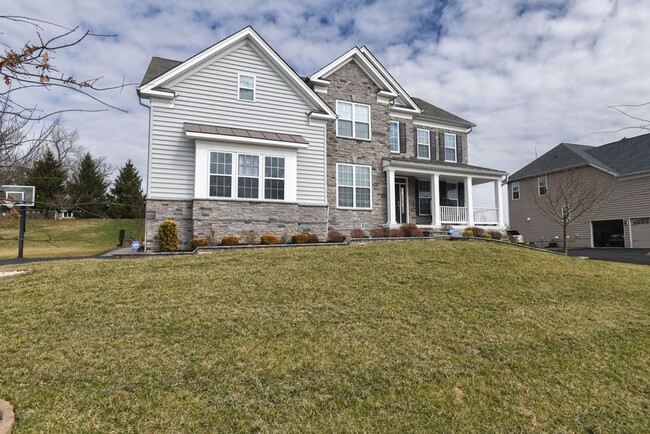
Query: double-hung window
{"points": [[234, 175], [353, 186], [541, 185], [353, 121], [274, 178], [450, 147], [424, 197], [393, 136], [515, 190], [424, 150], [221, 174], [452, 194], [246, 87]]}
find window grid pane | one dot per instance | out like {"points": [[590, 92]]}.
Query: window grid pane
{"points": [[346, 197], [362, 178], [249, 165], [345, 128], [346, 175], [423, 137], [344, 110], [247, 188], [363, 197], [220, 163], [362, 130], [220, 186], [362, 113], [450, 154], [423, 151], [274, 167], [274, 189], [394, 136]]}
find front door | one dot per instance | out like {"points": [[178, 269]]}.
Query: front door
{"points": [[401, 200]]}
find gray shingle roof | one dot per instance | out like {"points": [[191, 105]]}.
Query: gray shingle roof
{"points": [[623, 157], [239, 132], [157, 67], [436, 113]]}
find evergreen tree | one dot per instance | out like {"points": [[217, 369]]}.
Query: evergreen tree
{"points": [[87, 188], [126, 194], [48, 176]]}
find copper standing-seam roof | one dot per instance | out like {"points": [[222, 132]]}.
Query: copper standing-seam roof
{"points": [[240, 132]]}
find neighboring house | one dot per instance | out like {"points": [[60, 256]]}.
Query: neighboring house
{"points": [[239, 142], [623, 167]]}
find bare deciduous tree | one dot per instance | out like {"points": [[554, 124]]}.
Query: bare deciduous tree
{"points": [[570, 197]]}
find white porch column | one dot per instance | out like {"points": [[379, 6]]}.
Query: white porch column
{"points": [[435, 199], [390, 196], [470, 200], [498, 199]]}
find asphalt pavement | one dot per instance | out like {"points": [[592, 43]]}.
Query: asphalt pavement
{"points": [[629, 256]]}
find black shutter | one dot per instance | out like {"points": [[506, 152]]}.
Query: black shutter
{"points": [[432, 145], [402, 137], [461, 194], [459, 149], [415, 142], [442, 185], [417, 197], [441, 146]]}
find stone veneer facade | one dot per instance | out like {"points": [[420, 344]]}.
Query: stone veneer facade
{"points": [[351, 83], [218, 218]]}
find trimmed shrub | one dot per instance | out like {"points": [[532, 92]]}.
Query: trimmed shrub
{"points": [[411, 230], [468, 233], [230, 240], [168, 236], [478, 232], [313, 238], [335, 237], [486, 235], [397, 233], [299, 239], [496, 235], [199, 242], [377, 233], [358, 233], [269, 239]]}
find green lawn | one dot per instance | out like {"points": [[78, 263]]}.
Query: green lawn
{"points": [[384, 337], [59, 238]]}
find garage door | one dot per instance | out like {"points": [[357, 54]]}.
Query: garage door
{"points": [[608, 233], [641, 233]]}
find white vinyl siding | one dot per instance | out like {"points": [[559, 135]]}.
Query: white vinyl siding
{"points": [[424, 149], [450, 147], [353, 121], [207, 96], [353, 186]]}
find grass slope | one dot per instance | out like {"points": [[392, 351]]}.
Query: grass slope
{"points": [[83, 237], [384, 337]]}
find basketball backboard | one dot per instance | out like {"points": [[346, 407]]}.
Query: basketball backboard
{"points": [[17, 195]]}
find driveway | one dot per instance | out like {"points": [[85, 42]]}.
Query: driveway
{"points": [[629, 256]]}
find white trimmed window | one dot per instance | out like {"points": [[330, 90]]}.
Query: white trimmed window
{"points": [[243, 180], [220, 174], [424, 149], [541, 185], [515, 190], [353, 121], [246, 88], [424, 197], [450, 147], [393, 136], [274, 178], [353, 186]]}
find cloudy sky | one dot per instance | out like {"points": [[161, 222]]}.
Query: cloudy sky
{"points": [[531, 74]]}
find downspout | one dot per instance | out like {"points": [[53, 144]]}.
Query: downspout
{"points": [[148, 107]]}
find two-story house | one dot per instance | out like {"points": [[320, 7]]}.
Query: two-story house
{"points": [[239, 142], [619, 170]]}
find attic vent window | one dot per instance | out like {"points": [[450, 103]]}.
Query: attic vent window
{"points": [[246, 90]]}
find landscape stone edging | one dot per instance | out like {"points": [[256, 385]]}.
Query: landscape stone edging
{"points": [[6, 417]]}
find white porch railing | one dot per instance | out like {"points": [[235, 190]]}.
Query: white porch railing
{"points": [[486, 215], [453, 214]]}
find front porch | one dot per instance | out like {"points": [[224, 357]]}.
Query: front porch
{"points": [[434, 196]]}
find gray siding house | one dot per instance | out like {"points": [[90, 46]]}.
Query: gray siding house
{"points": [[621, 167], [238, 142]]}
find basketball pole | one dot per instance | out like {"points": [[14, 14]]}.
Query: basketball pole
{"points": [[21, 233]]}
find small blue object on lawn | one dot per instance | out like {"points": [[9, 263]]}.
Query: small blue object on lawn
{"points": [[452, 231], [135, 245]]}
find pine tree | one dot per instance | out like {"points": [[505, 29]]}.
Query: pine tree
{"points": [[87, 188], [126, 193], [48, 176]]}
